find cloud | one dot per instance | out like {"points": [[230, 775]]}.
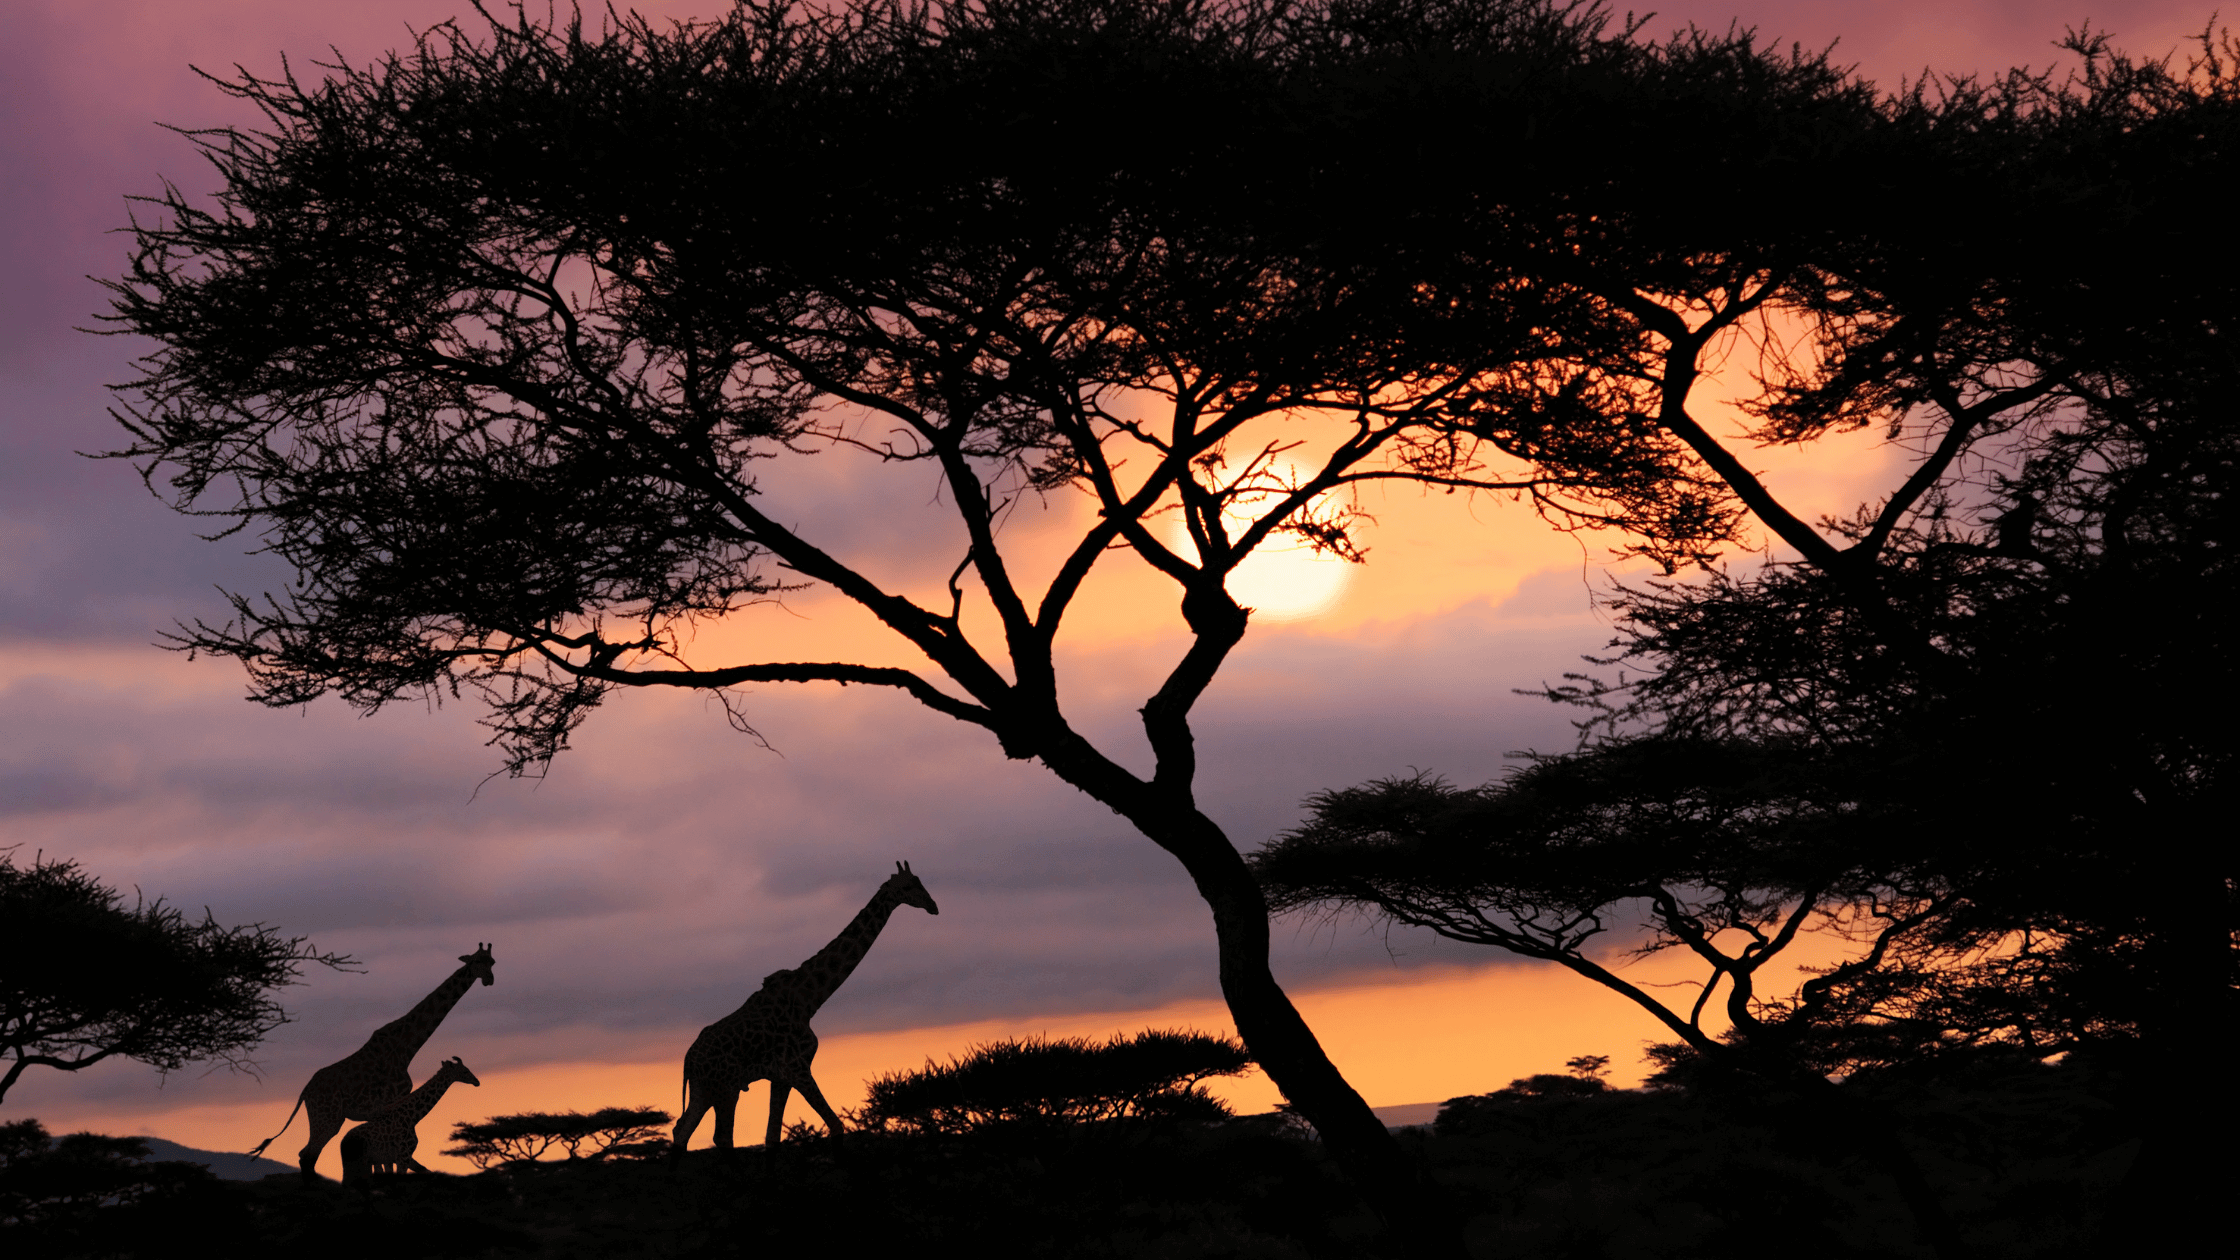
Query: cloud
{"points": [[668, 863]]}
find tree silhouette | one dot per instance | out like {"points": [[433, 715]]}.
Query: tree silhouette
{"points": [[1155, 1074], [48, 1185], [83, 978], [524, 1138], [497, 340], [1983, 717], [1726, 851]]}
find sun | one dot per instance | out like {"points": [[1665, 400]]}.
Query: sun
{"points": [[1287, 581], [1285, 578]]}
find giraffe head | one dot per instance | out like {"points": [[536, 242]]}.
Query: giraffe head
{"points": [[479, 963], [453, 1070], [905, 888]]}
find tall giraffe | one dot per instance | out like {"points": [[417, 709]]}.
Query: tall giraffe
{"points": [[769, 1037], [380, 1072], [386, 1142]]}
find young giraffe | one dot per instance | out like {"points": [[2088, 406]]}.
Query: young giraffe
{"points": [[359, 1087], [768, 1038], [386, 1142]]}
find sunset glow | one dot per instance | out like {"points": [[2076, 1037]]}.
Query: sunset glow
{"points": [[669, 861]]}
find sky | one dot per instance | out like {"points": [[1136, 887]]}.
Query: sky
{"points": [[644, 886]]}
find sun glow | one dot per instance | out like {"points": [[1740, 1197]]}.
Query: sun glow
{"points": [[1287, 581], [1285, 578]]}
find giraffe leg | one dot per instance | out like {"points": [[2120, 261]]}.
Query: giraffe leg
{"points": [[696, 1106], [727, 1110], [324, 1125], [355, 1165], [779, 1092], [815, 1096]]}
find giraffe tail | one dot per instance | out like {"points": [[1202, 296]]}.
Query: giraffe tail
{"points": [[283, 1129]]}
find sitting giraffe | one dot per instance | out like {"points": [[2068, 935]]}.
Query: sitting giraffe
{"points": [[769, 1037], [359, 1087], [386, 1142]]}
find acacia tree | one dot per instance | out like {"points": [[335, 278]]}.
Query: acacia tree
{"points": [[84, 979], [525, 1137], [496, 341], [1156, 1074], [1725, 851]]}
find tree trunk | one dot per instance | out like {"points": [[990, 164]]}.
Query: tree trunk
{"points": [[2182, 1178], [1413, 1210]]}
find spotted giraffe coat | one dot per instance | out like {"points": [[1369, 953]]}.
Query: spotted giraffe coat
{"points": [[379, 1073], [768, 1038], [386, 1142]]}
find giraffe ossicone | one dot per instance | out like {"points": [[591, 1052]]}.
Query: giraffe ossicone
{"points": [[386, 1142], [378, 1073], [768, 1038]]}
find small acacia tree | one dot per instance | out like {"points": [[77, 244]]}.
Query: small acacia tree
{"points": [[526, 1137], [84, 978], [1154, 1074], [498, 341]]}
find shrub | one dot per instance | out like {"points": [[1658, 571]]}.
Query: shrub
{"points": [[623, 1132], [1156, 1073]]}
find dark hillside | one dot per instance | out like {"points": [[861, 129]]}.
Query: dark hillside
{"points": [[2022, 1153]]}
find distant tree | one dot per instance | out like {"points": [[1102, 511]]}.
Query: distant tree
{"points": [[45, 1181], [498, 342], [1073, 1080], [525, 1138], [84, 978]]}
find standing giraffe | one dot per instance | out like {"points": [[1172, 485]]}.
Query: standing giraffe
{"points": [[769, 1036], [359, 1087], [386, 1142]]}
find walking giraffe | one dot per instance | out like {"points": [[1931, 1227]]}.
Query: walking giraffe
{"points": [[768, 1038], [380, 1073], [386, 1142]]}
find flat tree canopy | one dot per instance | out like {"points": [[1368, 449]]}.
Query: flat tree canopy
{"points": [[1157, 1073], [84, 978], [499, 341], [525, 1137]]}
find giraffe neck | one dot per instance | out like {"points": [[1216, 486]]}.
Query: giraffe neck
{"points": [[424, 1099], [825, 971], [402, 1037]]}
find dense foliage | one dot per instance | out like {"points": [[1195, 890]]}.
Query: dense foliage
{"points": [[1154, 1074], [85, 978], [1976, 731]]}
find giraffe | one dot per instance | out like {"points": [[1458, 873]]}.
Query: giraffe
{"points": [[358, 1087], [769, 1037], [386, 1142]]}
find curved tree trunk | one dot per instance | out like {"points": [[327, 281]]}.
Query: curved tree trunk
{"points": [[1280, 1041]]}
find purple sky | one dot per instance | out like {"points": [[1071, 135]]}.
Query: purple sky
{"points": [[668, 863]]}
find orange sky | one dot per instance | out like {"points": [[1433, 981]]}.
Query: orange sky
{"points": [[668, 863]]}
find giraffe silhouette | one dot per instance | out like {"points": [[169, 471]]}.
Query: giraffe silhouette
{"points": [[380, 1072], [386, 1142], [768, 1038]]}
